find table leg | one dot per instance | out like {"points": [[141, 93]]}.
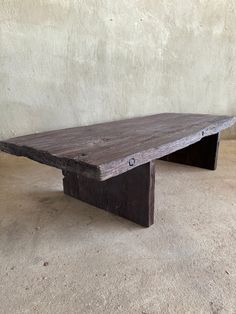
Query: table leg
{"points": [[201, 154], [129, 195]]}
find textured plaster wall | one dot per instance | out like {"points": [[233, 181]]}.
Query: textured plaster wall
{"points": [[66, 63]]}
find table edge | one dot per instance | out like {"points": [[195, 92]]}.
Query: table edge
{"points": [[116, 167]]}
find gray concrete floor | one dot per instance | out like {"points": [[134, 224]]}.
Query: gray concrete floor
{"points": [[59, 255]]}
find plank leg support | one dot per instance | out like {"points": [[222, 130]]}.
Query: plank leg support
{"points": [[129, 195], [201, 154]]}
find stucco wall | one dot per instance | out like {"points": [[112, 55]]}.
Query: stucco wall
{"points": [[66, 63]]}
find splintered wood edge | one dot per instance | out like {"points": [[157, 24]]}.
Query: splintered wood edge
{"points": [[108, 170], [46, 158], [120, 166]]}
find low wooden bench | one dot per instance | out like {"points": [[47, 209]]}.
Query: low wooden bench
{"points": [[111, 165]]}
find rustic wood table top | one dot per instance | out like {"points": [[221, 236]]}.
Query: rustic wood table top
{"points": [[104, 150]]}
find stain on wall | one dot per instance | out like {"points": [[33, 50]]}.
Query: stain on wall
{"points": [[68, 62]]}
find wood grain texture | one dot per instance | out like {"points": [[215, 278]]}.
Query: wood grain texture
{"points": [[130, 195], [202, 154], [106, 150]]}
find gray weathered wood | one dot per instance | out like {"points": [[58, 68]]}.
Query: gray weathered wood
{"points": [[106, 150]]}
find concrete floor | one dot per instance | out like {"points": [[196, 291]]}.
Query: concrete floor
{"points": [[59, 255]]}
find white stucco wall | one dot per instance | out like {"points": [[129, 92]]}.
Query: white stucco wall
{"points": [[67, 63]]}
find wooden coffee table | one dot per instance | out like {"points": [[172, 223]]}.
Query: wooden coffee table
{"points": [[111, 165]]}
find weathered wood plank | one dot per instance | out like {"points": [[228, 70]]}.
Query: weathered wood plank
{"points": [[202, 154], [106, 150], [130, 195]]}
